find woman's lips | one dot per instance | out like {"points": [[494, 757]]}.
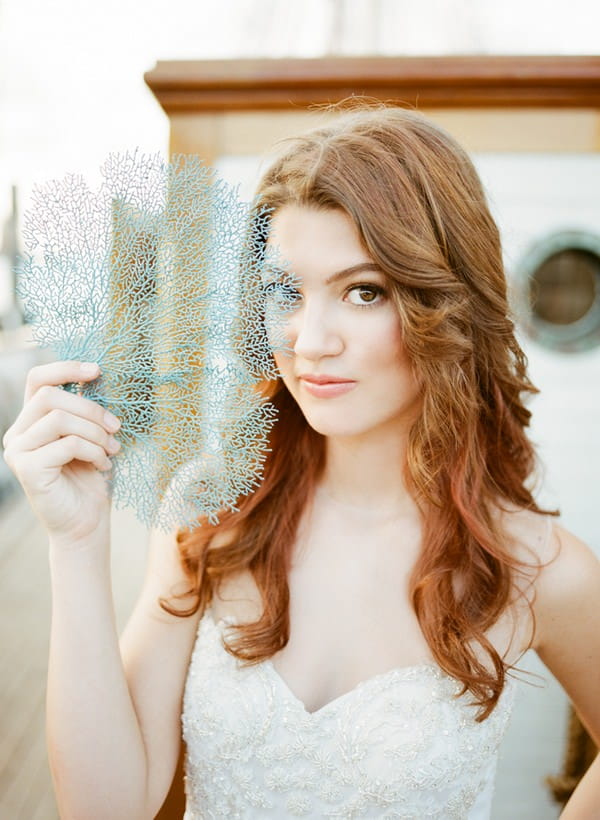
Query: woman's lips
{"points": [[326, 390]]}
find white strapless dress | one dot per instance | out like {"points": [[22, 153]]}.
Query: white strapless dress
{"points": [[398, 745]]}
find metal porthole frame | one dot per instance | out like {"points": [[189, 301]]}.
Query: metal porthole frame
{"points": [[582, 334]]}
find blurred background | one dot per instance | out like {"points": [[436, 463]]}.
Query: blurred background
{"points": [[72, 90]]}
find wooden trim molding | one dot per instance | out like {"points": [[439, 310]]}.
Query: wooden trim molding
{"points": [[423, 82]]}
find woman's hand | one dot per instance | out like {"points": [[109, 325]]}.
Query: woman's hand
{"points": [[59, 448]]}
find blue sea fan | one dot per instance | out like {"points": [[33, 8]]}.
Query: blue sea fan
{"points": [[160, 277]]}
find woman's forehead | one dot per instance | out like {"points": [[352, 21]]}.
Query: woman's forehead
{"points": [[293, 216], [315, 241]]}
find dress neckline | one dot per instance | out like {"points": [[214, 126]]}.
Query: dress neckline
{"points": [[396, 673]]}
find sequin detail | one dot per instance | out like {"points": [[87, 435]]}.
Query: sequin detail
{"points": [[398, 745]]}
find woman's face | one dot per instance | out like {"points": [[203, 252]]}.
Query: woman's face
{"points": [[344, 331]]}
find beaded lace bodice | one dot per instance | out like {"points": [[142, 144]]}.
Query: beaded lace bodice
{"points": [[398, 745]]}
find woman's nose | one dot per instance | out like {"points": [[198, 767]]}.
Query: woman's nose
{"points": [[314, 333]]}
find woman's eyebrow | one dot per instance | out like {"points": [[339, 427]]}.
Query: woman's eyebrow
{"points": [[360, 268]]}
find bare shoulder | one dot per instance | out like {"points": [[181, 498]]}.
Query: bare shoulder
{"points": [[568, 586], [237, 594], [566, 608], [558, 564], [165, 576], [529, 536]]}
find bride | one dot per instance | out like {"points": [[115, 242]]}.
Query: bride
{"points": [[347, 643]]}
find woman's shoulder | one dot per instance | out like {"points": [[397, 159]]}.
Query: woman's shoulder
{"points": [[566, 633], [541, 540], [563, 571], [568, 580]]}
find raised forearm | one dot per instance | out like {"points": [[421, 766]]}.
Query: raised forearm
{"points": [[96, 750], [585, 802]]}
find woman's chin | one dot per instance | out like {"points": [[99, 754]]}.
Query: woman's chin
{"points": [[334, 427]]}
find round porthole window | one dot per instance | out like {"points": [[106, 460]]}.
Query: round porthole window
{"points": [[560, 286]]}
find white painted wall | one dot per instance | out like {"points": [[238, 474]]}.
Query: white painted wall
{"points": [[532, 196]]}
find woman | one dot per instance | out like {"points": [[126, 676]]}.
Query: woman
{"points": [[377, 589]]}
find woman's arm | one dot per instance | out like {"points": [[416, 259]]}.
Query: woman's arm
{"points": [[156, 648], [110, 753], [567, 639], [114, 712], [95, 745]]}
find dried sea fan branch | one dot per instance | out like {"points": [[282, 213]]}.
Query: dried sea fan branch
{"points": [[154, 276]]}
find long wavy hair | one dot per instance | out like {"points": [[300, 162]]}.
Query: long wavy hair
{"points": [[421, 213]]}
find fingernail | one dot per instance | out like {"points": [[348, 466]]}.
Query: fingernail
{"points": [[89, 368], [113, 445], [111, 422]]}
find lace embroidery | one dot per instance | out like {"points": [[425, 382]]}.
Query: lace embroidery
{"points": [[398, 745]]}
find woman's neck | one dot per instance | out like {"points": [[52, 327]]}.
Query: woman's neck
{"points": [[366, 473]]}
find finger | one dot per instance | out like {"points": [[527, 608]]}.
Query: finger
{"points": [[48, 398], [31, 465], [59, 423], [58, 373]]}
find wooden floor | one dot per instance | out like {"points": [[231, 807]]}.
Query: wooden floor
{"points": [[25, 783], [25, 787]]}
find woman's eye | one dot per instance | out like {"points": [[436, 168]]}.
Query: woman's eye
{"points": [[364, 295]]}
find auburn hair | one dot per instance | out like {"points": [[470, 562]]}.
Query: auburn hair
{"points": [[421, 213]]}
